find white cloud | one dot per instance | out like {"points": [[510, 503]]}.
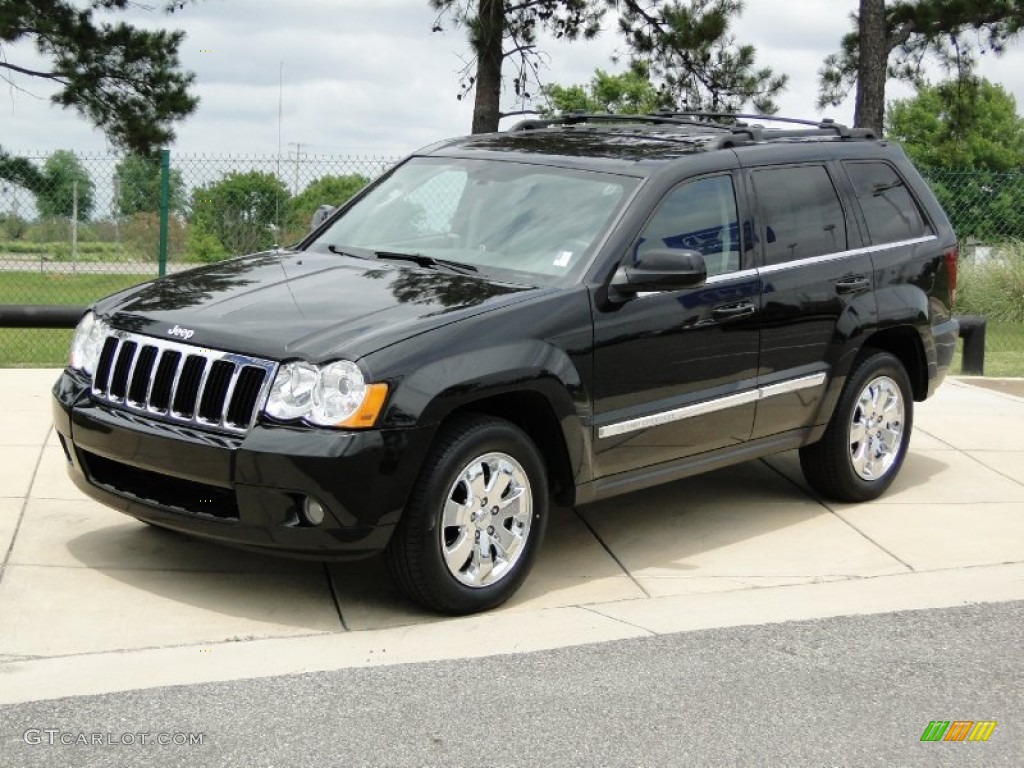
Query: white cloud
{"points": [[369, 77]]}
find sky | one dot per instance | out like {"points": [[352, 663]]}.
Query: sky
{"points": [[368, 78]]}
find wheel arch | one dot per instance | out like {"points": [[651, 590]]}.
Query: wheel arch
{"points": [[904, 342], [531, 411]]}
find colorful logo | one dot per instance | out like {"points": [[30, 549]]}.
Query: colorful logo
{"points": [[958, 730]]}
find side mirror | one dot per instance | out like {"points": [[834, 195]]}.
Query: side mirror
{"points": [[661, 269], [320, 215]]}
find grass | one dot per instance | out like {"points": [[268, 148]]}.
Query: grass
{"points": [[35, 347]]}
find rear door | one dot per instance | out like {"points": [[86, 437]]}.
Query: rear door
{"points": [[817, 289]]}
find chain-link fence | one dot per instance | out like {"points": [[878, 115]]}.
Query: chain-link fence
{"points": [[91, 224]]}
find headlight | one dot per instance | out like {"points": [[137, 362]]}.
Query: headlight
{"points": [[335, 395], [87, 343], [291, 394]]}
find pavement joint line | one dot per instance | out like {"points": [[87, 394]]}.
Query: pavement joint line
{"points": [[821, 502], [611, 554], [934, 437], [591, 609], [24, 505], [334, 597], [993, 469]]}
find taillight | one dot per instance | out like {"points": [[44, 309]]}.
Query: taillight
{"points": [[949, 259]]}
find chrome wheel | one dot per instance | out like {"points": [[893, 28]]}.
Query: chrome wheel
{"points": [[876, 429], [486, 520]]}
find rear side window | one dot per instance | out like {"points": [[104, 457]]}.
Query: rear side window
{"points": [[890, 211], [800, 213]]}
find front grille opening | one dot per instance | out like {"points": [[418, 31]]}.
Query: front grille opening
{"points": [[140, 379], [105, 364], [216, 390], [243, 401], [160, 397], [188, 386], [119, 384], [162, 490]]}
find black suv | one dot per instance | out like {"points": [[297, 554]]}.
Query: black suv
{"points": [[559, 313]]}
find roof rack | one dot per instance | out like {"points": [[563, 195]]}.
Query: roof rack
{"points": [[737, 126]]}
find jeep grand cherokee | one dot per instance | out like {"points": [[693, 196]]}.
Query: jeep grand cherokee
{"points": [[566, 311]]}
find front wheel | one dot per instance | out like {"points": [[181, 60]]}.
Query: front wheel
{"points": [[475, 519], [866, 441]]}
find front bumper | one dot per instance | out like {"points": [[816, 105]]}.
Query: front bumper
{"points": [[242, 490]]}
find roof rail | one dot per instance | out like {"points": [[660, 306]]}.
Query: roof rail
{"points": [[577, 118], [819, 127]]}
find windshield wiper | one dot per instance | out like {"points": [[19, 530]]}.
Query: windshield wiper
{"points": [[351, 250], [428, 261]]}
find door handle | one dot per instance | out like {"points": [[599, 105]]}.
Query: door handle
{"points": [[732, 311], [853, 284]]}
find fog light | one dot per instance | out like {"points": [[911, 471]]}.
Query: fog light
{"points": [[312, 511]]}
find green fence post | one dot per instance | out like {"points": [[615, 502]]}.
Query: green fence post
{"points": [[165, 204]]}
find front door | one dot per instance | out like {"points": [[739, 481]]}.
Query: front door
{"points": [[675, 372]]}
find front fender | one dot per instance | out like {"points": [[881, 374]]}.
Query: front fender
{"points": [[440, 387]]}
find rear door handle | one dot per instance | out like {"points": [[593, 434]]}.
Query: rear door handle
{"points": [[853, 284], [732, 311]]}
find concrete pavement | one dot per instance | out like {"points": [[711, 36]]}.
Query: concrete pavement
{"points": [[92, 601]]}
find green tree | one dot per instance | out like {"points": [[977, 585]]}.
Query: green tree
{"points": [[966, 136], [628, 93], [894, 39], [686, 44], [64, 178], [137, 180], [330, 190], [126, 81], [501, 30], [693, 53], [239, 214], [969, 123]]}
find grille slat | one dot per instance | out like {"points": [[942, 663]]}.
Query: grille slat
{"points": [[181, 383]]}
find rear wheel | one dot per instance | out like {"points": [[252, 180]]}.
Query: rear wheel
{"points": [[475, 519], [866, 441]]}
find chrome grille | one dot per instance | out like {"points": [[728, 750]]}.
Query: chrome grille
{"points": [[181, 383]]}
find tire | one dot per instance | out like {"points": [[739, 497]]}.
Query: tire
{"points": [[458, 548], [876, 405]]}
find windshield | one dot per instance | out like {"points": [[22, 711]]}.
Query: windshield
{"points": [[536, 223]]}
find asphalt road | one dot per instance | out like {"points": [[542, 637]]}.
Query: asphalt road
{"points": [[838, 692]]}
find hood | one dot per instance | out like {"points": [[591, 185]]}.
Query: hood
{"points": [[306, 305]]}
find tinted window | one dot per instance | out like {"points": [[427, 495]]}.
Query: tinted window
{"points": [[800, 213], [698, 216], [889, 209]]}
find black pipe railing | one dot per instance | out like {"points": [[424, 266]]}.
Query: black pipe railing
{"points": [[40, 315]]}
